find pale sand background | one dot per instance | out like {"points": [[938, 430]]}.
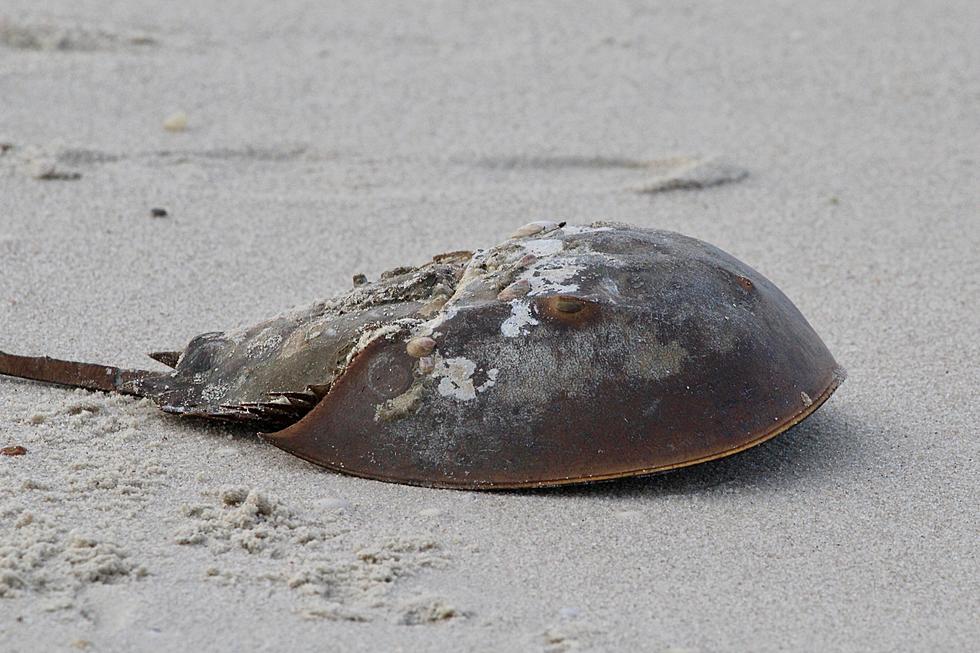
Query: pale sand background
{"points": [[328, 140]]}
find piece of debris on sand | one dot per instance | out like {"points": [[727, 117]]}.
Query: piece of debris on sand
{"points": [[693, 174], [176, 122]]}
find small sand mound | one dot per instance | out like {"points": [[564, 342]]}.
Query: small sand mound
{"points": [[334, 576], [38, 556], [694, 174]]}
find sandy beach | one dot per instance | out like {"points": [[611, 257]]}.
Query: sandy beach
{"points": [[832, 146]]}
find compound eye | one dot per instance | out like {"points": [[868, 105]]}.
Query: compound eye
{"points": [[567, 309], [568, 304]]}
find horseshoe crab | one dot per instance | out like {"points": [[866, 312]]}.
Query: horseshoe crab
{"points": [[564, 354]]}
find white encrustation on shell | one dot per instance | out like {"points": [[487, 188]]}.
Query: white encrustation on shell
{"points": [[519, 321], [541, 247], [456, 378]]}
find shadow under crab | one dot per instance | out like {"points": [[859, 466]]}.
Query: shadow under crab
{"points": [[564, 354]]}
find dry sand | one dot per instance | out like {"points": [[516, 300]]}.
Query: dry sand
{"points": [[325, 139]]}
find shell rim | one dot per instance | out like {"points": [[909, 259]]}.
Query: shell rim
{"points": [[837, 378]]}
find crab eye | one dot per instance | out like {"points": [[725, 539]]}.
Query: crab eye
{"points": [[568, 305], [567, 309]]}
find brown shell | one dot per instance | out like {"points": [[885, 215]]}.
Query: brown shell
{"points": [[667, 353]]}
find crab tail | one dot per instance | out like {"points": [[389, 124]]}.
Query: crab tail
{"points": [[90, 376]]}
